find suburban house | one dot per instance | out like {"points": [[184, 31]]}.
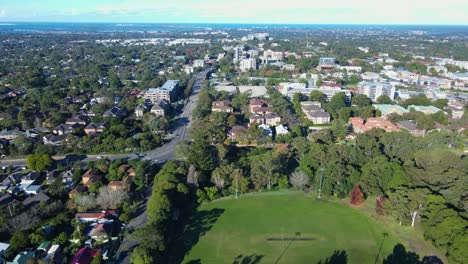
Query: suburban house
{"points": [[91, 176], [54, 140], [261, 113], [143, 108], [236, 133], [3, 247], [76, 120], [101, 231], [116, 112], [315, 113], [10, 134], [159, 108], [97, 217], [318, 117], [77, 190], [118, 185], [360, 126], [85, 255], [96, 128], [256, 119], [23, 257], [65, 129], [272, 119], [222, 106], [281, 130], [67, 178], [259, 106], [34, 200]]}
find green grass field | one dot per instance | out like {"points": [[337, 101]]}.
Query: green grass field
{"points": [[265, 228]]}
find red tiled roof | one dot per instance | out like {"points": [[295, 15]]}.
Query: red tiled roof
{"points": [[96, 215], [85, 255]]}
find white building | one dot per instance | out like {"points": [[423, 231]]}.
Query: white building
{"points": [[167, 92], [374, 90], [198, 63], [248, 64]]}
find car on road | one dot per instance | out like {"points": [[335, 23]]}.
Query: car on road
{"points": [[99, 157]]}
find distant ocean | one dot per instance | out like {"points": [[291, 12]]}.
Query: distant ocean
{"points": [[29, 27]]}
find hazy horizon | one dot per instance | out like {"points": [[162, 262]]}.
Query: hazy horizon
{"points": [[358, 12]]}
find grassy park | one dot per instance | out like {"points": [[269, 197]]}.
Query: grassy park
{"points": [[284, 228]]}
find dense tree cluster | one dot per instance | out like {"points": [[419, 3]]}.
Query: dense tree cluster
{"points": [[169, 196]]}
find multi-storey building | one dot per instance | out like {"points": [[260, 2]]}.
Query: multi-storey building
{"points": [[167, 92], [248, 64], [374, 90]]}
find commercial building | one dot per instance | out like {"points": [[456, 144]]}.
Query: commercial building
{"points": [[326, 63], [167, 92], [387, 109], [248, 64], [427, 110], [374, 90], [360, 126]]}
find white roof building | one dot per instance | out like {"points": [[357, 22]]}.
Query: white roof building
{"points": [[281, 130]]}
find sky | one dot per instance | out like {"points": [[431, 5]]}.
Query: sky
{"points": [[238, 11]]}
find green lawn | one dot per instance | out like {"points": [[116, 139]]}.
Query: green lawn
{"points": [[251, 228]]}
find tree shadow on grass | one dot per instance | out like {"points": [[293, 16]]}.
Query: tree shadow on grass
{"points": [[250, 259], [338, 257], [402, 256], [195, 261], [196, 226]]}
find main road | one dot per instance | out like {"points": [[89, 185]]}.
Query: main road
{"points": [[160, 155]]}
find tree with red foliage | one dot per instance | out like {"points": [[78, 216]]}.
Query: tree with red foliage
{"points": [[356, 195], [379, 205]]}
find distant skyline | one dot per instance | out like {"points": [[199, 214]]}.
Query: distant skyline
{"points": [[420, 12]]}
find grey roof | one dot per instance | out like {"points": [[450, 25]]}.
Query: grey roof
{"points": [[36, 199], [115, 112], [319, 114], [11, 133], [97, 125], [407, 124], [170, 85], [312, 108], [6, 199]]}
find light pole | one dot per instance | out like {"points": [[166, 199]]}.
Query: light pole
{"points": [[237, 187], [320, 187]]}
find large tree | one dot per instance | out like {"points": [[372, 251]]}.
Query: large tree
{"points": [[299, 179], [39, 162], [265, 170], [379, 175], [441, 171]]}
